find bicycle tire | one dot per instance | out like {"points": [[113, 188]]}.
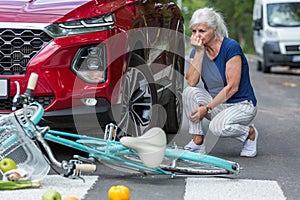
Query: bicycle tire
{"points": [[182, 162], [184, 167]]}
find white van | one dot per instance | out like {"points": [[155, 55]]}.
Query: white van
{"points": [[277, 33]]}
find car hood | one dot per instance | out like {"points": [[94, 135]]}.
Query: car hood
{"points": [[54, 10]]}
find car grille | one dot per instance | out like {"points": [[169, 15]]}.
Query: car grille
{"points": [[17, 47], [292, 48], [6, 104]]}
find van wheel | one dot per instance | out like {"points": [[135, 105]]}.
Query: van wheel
{"points": [[259, 66], [266, 69]]}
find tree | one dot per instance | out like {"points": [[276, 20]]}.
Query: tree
{"points": [[188, 8], [237, 15]]}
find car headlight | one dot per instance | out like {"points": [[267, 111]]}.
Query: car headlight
{"points": [[90, 63], [75, 27], [271, 34]]}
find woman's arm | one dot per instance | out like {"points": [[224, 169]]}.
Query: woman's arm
{"points": [[194, 71], [233, 78]]}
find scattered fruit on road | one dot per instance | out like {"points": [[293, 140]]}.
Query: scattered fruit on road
{"points": [[119, 192], [51, 195], [7, 164]]}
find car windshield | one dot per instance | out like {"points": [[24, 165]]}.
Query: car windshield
{"points": [[284, 14]]}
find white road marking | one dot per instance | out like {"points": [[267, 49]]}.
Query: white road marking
{"points": [[232, 189], [196, 188], [66, 187]]}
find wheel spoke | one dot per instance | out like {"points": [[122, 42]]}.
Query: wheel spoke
{"points": [[133, 81], [136, 103], [134, 125], [142, 113]]}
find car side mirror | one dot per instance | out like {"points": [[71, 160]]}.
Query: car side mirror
{"points": [[257, 24]]}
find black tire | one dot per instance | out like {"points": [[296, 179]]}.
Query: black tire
{"points": [[136, 112], [265, 68], [174, 108], [259, 66]]}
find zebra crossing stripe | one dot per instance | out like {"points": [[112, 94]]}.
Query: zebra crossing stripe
{"points": [[66, 187], [232, 189]]}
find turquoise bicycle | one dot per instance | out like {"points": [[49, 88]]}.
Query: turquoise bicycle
{"points": [[21, 138]]}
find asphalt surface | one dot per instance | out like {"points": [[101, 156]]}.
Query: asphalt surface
{"points": [[278, 123]]}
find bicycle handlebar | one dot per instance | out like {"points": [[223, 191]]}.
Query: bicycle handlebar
{"points": [[86, 167], [27, 96], [31, 84], [75, 167]]}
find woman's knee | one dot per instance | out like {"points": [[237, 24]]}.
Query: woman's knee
{"points": [[191, 92], [187, 94], [186, 91], [216, 128], [220, 129]]}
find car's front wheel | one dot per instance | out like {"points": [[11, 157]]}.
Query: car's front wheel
{"points": [[138, 98]]}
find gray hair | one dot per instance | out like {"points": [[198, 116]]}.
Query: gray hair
{"points": [[211, 18]]}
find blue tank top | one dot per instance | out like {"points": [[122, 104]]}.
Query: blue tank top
{"points": [[213, 72]]}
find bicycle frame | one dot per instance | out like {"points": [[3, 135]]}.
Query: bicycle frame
{"points": [[111, 150], [108, 151]]}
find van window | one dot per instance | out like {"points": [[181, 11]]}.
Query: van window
{"points": [[284, 14]]}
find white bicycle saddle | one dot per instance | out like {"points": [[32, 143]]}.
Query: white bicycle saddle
{"points": [[150, 146]]}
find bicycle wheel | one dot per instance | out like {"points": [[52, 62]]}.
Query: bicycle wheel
{"points": [[126, 163], [182, 162], [176, 162], [115, 156], [192, 168]]}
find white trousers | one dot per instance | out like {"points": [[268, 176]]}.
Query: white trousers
{"points": [[226, 120]]}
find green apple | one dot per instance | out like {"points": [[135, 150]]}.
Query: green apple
{"points": [[7, 164], [51, 195]]}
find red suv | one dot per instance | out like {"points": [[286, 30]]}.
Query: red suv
{"points": [[98, 61]]}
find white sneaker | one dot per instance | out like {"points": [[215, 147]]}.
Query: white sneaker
{"points": [[191, 146], [250, 147]]}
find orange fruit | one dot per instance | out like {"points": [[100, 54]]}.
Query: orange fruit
{"points": [[119, 192]]}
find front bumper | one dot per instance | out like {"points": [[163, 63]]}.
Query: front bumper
{"points": [[81, 116], [273, 56]]}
